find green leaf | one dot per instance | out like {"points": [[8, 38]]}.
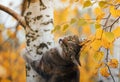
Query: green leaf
{"points": [[82, 22], [65, 27], [87, 3], [102, 3], [57, 27], [73, 20], [97, 26], [109, 36]]}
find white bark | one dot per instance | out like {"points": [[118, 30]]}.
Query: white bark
{"points": [[39, 18]]}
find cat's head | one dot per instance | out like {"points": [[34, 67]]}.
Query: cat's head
{"points": [[71, 48]]}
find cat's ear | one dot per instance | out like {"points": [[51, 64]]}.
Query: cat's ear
{"points": [[60, 41]]}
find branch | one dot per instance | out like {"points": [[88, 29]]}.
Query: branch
{"points": [[112, 24], [110, 73], [14, 14]]}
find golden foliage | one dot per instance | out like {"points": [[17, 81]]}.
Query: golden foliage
{"points": [[12, 66], [114, 12], [116, 32], [113, 63], [104, 72]]}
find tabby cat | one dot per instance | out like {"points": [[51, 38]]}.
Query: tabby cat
{"points": [[60, 65]]}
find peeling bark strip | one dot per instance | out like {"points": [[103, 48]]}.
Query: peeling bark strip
{"points": [[39, 18], [14, 14]]}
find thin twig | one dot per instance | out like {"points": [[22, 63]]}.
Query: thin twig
{"points": [[112, 24], [107, 55], [107, 19], [110, 72], [14, 14]]}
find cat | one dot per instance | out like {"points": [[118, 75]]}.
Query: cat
{"points": [[60, 65]]}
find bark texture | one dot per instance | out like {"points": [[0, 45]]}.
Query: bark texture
{"points": [[39, 20]]}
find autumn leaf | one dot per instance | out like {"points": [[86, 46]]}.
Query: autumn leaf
{"points": [[82, 22], [116, 32], [99, 56], [65, 27], [73, 20], [86, 30], [109, 36], [118, 1], [5, 80], [87, 3], [99, 65], [102, 4], [11, 34], [99, 13], [113, 63], [96, 45], [114, 12], [99, 33], [1, 27], [104, 72], [97, 25], [56, 28], [3, 72]]}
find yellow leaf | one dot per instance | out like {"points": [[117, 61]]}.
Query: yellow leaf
{"points": [[73, 20], [117, 1], [97, 25], [1, 27], [96, 44], [99, 33], [102, 3], [86, 30], [116, 32], [3, 72], [111, 49], [99, 65], [65, 27], [99, 13], [61, 18], [114, 12], [11, 34], [113, 63], [104, 72], [56, 28], [82, 22], [5, 80], [99, 56], [19, 27], [87, 3], [109, 36], [105, 43]]}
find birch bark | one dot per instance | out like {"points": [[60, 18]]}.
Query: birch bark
{"points": [[39, 19]]}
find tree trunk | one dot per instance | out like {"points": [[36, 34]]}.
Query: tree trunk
{"points": [[39, 19]]}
